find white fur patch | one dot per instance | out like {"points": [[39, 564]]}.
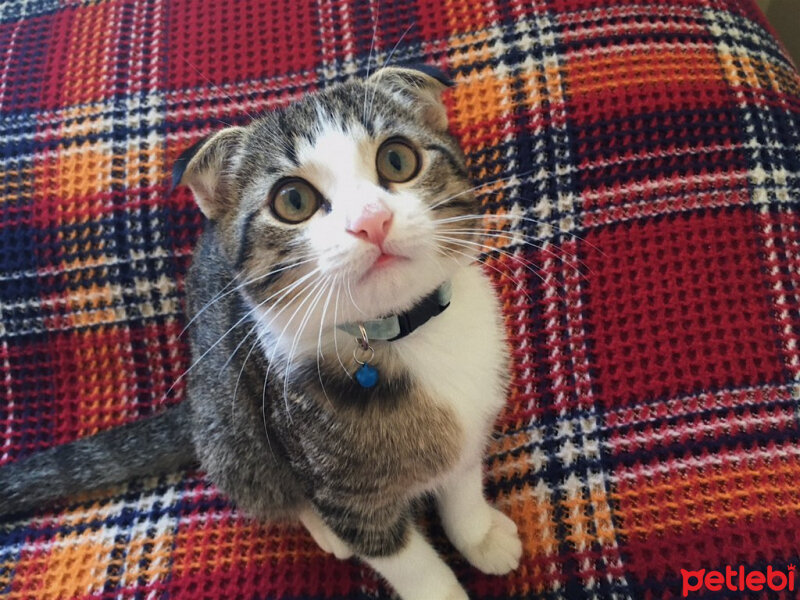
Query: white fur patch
{"points": [[459, 357]]}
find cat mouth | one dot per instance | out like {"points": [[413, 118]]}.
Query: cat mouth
{"points": [[382, 262], [384, 259]]}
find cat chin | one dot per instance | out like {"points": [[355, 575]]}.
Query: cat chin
{"points": [[396, 286]]}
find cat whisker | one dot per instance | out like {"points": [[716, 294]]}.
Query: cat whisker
{"points": [[485, 249], [529, 266], [217, 342], [369, 56], [314, 285], [264, 411], [436, 245], [380, 73], [352, 300], [332, 280], [284, 292], [489, 217], [525, 264], [319, 339], [301, 297], [394, 49], [473, 189], [515, 236], [335, 323], [222, 293], [516, 281], [216, 297], [289, 358], [299, 333], [238, 378]]}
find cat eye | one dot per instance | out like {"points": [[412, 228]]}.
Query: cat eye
{"points": [[294, 200], [397, 161]]}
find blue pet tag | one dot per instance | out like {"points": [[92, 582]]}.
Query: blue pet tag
{"points": [[367, 375]]}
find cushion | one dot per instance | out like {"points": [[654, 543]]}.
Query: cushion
{"points": [[643, 159]]}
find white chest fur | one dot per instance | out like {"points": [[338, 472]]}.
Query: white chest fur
{"points": [[461, 358]]}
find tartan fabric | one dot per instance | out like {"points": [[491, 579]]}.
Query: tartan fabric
{"points": [[650, 154]]}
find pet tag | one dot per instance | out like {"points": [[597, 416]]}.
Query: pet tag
{"points": [[366, 374]]}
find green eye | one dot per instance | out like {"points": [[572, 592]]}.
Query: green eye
{"points": [[397, 161], [294, 200]]}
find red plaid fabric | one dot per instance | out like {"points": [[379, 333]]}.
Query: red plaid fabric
{"points": [[645, 159]]}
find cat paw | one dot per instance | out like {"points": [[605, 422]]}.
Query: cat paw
{"points": [[456, 593], [500, 549], [453, 592], [330, 543], [326, 539]]}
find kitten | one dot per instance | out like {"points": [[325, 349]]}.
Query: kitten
{"points": [[348, 352]]}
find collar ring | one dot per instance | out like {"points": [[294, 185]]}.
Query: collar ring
{"points": [[363, 341]]}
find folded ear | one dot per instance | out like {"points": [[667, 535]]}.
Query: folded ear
{"points": [[421, 83], [205, 167]]}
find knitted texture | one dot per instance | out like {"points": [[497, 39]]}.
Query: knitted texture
{"points": [[645, 159]]}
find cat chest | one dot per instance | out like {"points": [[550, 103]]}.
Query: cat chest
{"points": [[403, 437], [388, 446], [440, 391]]}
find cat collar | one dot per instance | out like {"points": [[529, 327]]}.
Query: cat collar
{"points": [[392, 328], [398, 326]]}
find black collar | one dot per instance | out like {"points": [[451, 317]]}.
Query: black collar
{"points": [[399, 326]]}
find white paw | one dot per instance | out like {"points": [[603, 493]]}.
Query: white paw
{"points": [[324, 535], [453, 591], [331, 544], [500, 549], [457, 593]]}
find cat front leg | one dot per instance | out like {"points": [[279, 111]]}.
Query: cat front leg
{"points": [[417, 572], [386, 539], [486, 537]]}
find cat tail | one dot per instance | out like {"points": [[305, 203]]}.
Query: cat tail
{"points": [[151, 446]]}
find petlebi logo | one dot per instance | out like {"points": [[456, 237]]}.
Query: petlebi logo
{"points": [[738, 580]]}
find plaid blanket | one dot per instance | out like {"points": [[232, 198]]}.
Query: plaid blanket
{"points": [[645, 157]]}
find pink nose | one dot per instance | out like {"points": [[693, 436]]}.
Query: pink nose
{"points": [[372, 223]]}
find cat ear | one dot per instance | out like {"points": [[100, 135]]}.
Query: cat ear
{"points": [[424, 84], [203, 168]]}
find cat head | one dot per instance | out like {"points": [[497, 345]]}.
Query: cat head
{"points": [[346, 192]]}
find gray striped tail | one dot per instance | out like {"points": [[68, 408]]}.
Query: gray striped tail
{"points": [[151, 446]]}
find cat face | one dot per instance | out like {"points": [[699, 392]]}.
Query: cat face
{"points": [[342, 193]]}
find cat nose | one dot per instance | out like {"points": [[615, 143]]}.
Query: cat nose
{"points": [[372, 223]]}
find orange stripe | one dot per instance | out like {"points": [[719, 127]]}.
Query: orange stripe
{"points": [[624, 70], [736, 490]]}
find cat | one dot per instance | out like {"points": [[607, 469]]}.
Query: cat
{"points": [[349, 353]]}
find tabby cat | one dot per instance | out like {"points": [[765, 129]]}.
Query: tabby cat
{"points": [[349, 355]]}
